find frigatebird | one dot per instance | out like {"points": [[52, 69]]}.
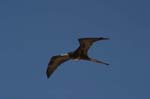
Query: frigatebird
{"points": [[81, 53]]}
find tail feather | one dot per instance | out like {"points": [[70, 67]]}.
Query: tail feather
{"points": [[97, 61]]}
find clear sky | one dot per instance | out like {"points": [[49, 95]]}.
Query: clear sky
{"points": [[31, 31]]}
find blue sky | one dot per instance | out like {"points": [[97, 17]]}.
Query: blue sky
{"points": [[31, 31]]}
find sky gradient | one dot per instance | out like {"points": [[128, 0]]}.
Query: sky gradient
{"points": [[32, 31]]}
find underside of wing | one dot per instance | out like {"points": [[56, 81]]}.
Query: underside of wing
{"points": [[86, 43], [55, 62]]}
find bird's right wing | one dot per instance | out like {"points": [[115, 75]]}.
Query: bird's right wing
{"points": [[86, 43], [55, 62]]}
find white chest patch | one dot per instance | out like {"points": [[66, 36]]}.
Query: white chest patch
{"points": [[64, 54], [76, 59]]}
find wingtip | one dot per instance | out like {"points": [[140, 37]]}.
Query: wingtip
{"points": [[48, 75], [104, 38], [107, 64]]}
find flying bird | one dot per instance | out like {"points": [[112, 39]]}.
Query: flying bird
{"points": [[81, 53]]}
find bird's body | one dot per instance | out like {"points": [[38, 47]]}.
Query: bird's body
{"points": [[81, 53]]}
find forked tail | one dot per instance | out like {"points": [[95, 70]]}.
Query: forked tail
{"points": [[97, 61]]}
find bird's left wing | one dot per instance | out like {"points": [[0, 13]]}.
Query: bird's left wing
{"points": [[55, 62]]}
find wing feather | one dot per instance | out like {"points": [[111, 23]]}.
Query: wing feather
{"points": [[55, 62], [86, 43]]}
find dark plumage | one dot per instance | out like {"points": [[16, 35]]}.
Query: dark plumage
{"points": [[80, 53]]}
